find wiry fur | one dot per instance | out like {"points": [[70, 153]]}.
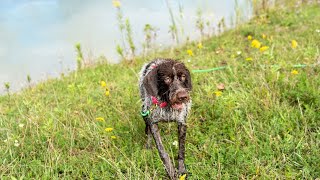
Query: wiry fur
{"points": [[153, 83]]}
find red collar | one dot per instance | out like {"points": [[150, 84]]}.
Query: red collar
{"points": [[156, 102]]}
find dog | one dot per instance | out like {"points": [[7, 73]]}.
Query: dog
{"points": [[165, 87]]}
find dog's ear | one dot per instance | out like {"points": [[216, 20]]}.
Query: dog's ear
{"points": [[188, 80], [151, 82]]}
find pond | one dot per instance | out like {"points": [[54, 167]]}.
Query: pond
{"points": [[37, 37]]}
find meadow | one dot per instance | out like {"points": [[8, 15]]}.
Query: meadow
{"points": [[256, 117]]}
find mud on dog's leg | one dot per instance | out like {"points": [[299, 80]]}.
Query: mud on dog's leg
{"points": [[163, 155]]}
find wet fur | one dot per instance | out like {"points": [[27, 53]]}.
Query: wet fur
{"points": [[152, 83]]}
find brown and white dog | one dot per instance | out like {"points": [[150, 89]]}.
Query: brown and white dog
{"points": [[165, 87]]}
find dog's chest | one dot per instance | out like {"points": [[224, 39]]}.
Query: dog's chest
{"points": [[168, 114]]}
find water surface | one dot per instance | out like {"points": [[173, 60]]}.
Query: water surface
{"points": [[37, 37]]}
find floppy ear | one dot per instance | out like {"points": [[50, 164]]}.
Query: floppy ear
{"points": [[188, 81], [151, 82]]}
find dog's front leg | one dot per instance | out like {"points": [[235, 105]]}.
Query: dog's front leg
{"points": [[163, 155], [182, 131]]}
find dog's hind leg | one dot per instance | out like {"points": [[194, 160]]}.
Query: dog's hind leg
{"points": [[148, 133], [163, 155]]}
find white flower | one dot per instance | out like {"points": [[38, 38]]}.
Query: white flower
{"points": [[21, 125], [175, 143], [238, 52], [318, 30], [16, 143], [189, 60]]}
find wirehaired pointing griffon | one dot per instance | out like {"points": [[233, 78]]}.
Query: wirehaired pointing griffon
{"points": [[165, 86]]}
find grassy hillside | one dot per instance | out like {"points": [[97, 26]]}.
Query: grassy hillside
{"points": [[264, 124]]}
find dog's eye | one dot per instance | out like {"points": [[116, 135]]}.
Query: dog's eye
{"points": [[167, 80], [182, 77]]}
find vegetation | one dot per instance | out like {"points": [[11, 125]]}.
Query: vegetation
{"points": [[256, 117]]}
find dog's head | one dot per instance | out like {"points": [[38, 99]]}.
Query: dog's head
{"points": [[171, 81]]}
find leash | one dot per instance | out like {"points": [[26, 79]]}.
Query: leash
{"points": [[224, 67]]}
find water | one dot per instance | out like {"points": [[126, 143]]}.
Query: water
{"points": [[37, 37]]}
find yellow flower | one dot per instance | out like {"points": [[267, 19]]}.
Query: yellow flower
{"points": [[109, 129], [190, 53], [294, 44], [250, 37], [183, 177], [249, 59], [100, 119], [107, 93], [113, 137], [294, 72], [116, 3], [103, 84], [264, 48], [256, 44], [200, 45], [264, 36], [218, 93]]}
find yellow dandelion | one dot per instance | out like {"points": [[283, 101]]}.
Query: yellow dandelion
{"points": [[103, 84], [107, 93], [249, 59], [200, 45], [264, 48], [264, 36], [109, 129], [249, 37], [190, 52], [294, 44], [183, 177], [294, 72], [100, 119], [256, 44], [218, 93], [113, 137], [116, 3]]}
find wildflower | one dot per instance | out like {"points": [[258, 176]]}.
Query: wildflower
{"points": [[109, 129], [190, 52], [107, 93], [264, 36], [218, 93], [103, 84], [256, 44], [113, 137], [100, 119], [200, 45], [294, 44], [238, 52], [249, 59], [16, 143], [264, 48], [189, 60], [21, 125], [175, 143], [294, 72], [318, 30], [183, 177], [249, 37], [116, 3]]}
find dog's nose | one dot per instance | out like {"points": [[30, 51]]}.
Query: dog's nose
{"points": [[182, 96]]}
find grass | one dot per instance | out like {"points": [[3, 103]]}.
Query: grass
{"points": [[265, 124]]}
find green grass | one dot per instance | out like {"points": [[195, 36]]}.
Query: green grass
{"points": [[266, 123]]}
